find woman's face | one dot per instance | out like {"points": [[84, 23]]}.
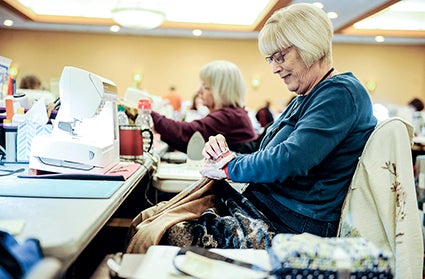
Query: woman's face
{"points": [[206, 96], [290, 67], [198, 100]]}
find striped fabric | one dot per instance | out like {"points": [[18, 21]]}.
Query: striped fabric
{"points": [[27, 130]]}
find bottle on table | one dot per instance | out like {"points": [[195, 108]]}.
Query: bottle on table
{"points": [[145, 122], [122, 116]]}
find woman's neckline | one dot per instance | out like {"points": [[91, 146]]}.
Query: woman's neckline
{"points": [[322, 79], [326, 75]]}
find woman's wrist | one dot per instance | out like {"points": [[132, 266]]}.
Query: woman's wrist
{"points": [[226, 170]]}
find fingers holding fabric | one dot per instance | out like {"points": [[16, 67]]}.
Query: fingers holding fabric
{"points": [[215, 147], [224, 159], [211, 170], [217, 155]]}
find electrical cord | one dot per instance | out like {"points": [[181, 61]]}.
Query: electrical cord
{"points": [[154, 167], [10, 172], [148, 186]]}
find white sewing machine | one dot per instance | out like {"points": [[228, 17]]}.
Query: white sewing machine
{"points": [[85, 136]]}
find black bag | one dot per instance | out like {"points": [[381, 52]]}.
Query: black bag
{"points": [[16, 259]]}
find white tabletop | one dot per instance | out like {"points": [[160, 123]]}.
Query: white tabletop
{"points": [[65, 226], [419, 139]]}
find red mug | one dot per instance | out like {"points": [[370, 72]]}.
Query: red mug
{"points": [[131, 142]]}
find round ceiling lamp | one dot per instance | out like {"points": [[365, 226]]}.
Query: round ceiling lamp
{"points": [[137, 17]]}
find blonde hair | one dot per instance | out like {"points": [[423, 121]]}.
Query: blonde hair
{"points": [[304, 26], [226, 82]]}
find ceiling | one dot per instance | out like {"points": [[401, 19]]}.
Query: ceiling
{"points": [[217, 18]]}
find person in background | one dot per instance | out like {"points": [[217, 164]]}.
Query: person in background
{"points": [[416, 104], [300, 174], [196, 110], [223, 92], [264, 115], [30, 82], [418, 120], [175, 100]]}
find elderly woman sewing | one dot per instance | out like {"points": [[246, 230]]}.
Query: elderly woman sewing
{"points": [[300, 175]]}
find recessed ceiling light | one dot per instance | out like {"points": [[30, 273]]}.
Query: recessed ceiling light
{"points": [[114, 28], [318, 4], [8, 22], [379, 39], [332, 15], [197, 32]]}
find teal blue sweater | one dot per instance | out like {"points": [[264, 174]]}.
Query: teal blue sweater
{"points": [[309, 155]]}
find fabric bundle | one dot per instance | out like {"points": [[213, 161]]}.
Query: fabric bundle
{"points": [[209, 213], [307, 253], [233, 222]]}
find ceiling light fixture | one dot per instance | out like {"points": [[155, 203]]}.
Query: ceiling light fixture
{"points": [[8, 22], [196, 32], [332, 15], [319, 5], [137, 17], [114, 28], [380, 39]]}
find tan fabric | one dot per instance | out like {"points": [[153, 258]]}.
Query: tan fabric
{"points": [[381, 204], [149, 226]]}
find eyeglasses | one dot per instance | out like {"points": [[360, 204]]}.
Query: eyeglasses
{"points": [[278, 56]]}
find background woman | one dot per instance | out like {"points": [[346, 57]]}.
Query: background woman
{"points": [[222, 92]]}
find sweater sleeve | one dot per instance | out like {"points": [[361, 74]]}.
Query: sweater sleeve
{"points": [[177, 133], [295, 148]]}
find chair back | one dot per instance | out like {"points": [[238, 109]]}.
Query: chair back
{"points": [[381, 204]]}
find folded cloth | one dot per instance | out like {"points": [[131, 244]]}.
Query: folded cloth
{"points": [[224, 159], [214, 169], [211, 170]]}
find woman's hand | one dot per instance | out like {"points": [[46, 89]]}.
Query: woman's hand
{"points": [[215, 147], [217, 156], [217, 151], [211, 170]]}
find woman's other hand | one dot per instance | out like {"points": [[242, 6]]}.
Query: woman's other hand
{"points": [[211, 170]]}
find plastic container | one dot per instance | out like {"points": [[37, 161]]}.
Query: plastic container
{"points": [[10, 140], [18, 117], [144, 120], [122, 116]]}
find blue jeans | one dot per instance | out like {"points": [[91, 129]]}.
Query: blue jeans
{"points": [[286, 220]]}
